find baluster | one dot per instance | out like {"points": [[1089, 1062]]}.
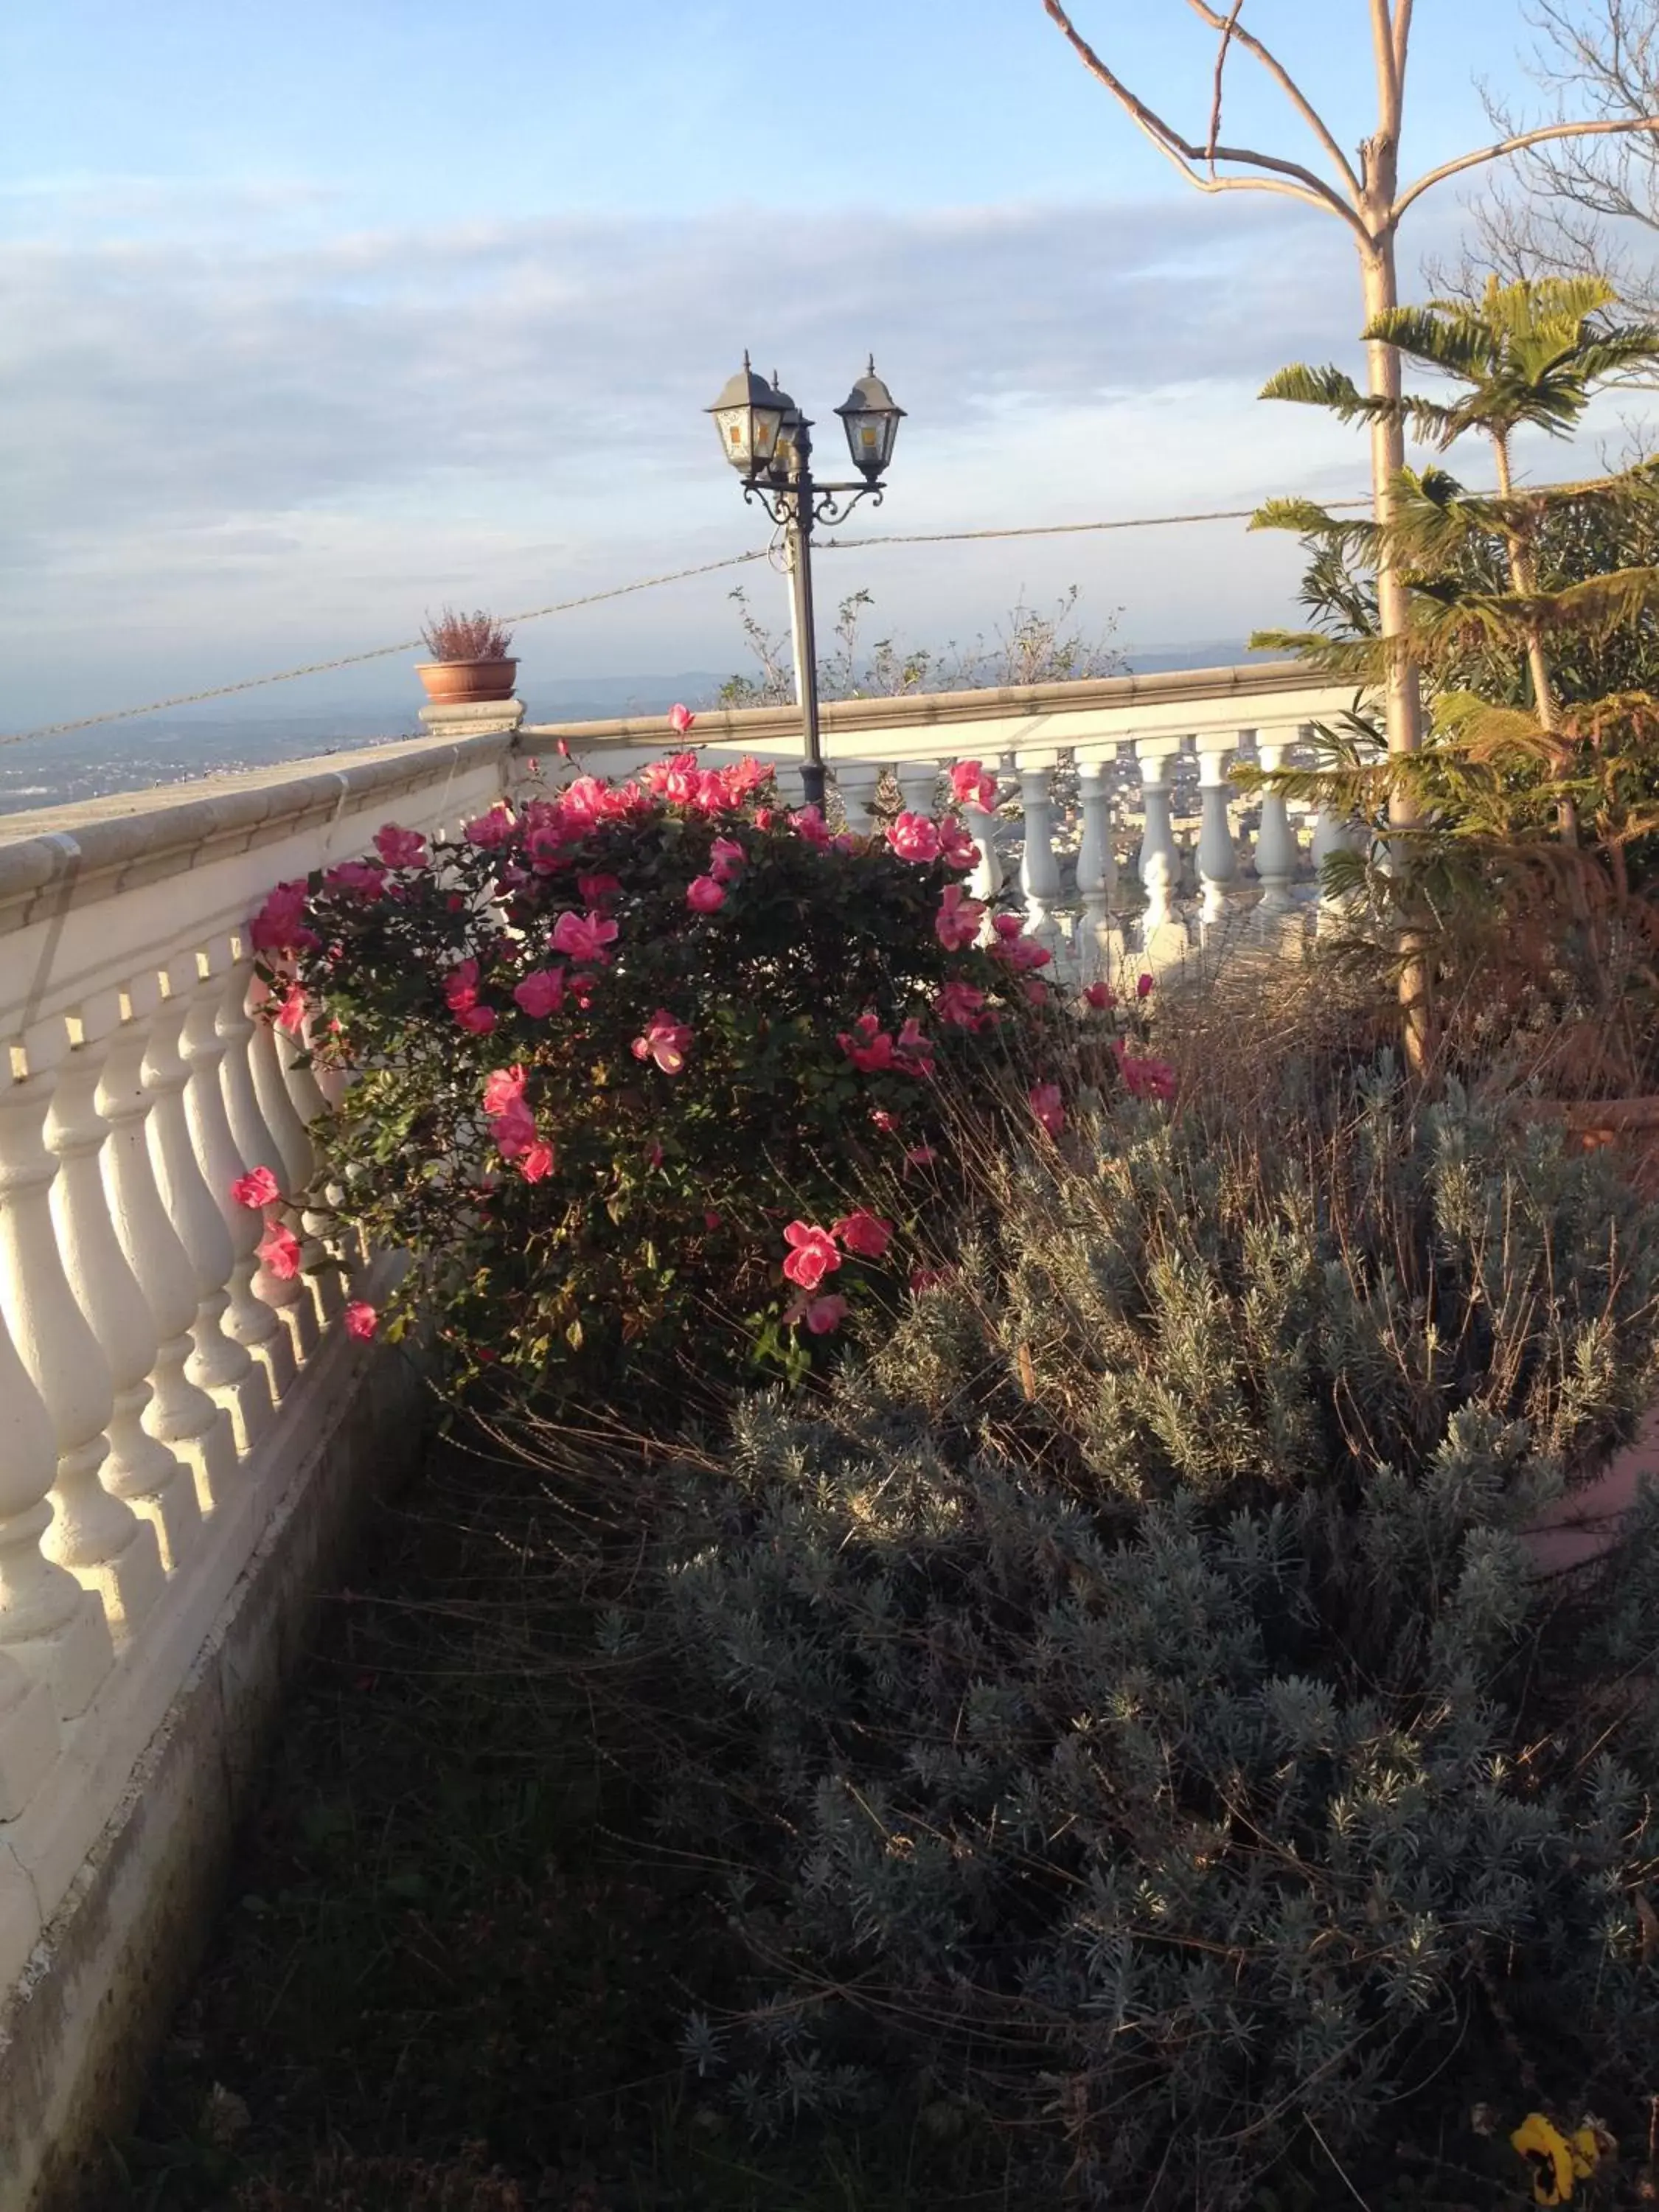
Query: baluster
{"points": [[980, 822], [1097, 873], [326, 1281], [858, 782], [247, 1320], [1163, 936], [297, 1160], [92, 1534], [918, 784], [791, 786], [140, 1468], [1218, 861], [51, 1628], [293, 1161], [221, 1367], [179, 1412], [1039, 869], [257, 1145], [1275, 840]]}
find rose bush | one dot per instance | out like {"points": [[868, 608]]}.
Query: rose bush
{"points": [[658, 1067]]}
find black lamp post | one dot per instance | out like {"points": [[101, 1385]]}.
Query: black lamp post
{"points": [[769, 442]]}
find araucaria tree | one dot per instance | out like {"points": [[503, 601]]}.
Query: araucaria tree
{"points": [[1367, 196]]}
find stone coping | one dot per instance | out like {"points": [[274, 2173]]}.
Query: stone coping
{"points": [[89, 851], [735, 725]]}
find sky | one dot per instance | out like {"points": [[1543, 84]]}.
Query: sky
{"points": [[316, 317]]}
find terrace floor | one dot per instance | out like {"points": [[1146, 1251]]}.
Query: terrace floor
{"points": [[451, 1966]]}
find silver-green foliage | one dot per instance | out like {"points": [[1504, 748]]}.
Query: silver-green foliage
{"points": [[1129, 1702]]}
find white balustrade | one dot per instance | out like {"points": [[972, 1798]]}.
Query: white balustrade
{"points": [[1218, 858], [1163, 935], [247, 1320], [141, 1469], [980, 823], [94, 1533], [218, 1364], [257, 1147], [858, 782], [1097, 873], [1275, 841], [319, 1263], [1039, 868], [918, 783], [53, 1629], [181, 1413]]}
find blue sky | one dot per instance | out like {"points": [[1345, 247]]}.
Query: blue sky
{"points": [[316, 316]]}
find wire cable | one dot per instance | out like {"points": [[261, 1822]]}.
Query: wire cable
{"points": [[622, 592]]}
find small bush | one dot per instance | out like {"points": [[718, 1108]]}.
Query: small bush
{"points": [[1126, 1703], [657, 1071], [476, 637]]}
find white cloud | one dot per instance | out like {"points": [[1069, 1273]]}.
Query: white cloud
{"points": [[226, 445]]}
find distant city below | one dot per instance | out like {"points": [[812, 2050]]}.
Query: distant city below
{"points": [[225, 735]]}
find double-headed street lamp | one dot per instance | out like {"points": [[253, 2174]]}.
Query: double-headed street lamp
{"points": [[769, 442]]}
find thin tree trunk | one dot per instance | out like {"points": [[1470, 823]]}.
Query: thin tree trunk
{"points": [[1403, 694], [1523, 581]]}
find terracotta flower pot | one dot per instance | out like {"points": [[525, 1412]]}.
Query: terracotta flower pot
{"points": [[466, 682]]}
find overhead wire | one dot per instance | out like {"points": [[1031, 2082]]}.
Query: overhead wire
{"points": [[831, 544]]}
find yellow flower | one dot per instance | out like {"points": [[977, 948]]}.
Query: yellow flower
{"points": [[1557, 2161]]}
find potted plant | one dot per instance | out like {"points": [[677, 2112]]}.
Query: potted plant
{"points": [[470, 663]]}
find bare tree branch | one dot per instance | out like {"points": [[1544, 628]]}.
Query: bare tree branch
{"points": [[1290, 177], [1220, 65], [1519, 145], [1387, 72], [1403, 37], [1231, 28]]}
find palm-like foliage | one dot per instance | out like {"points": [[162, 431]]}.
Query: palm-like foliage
{"points": [[1532, 354]]}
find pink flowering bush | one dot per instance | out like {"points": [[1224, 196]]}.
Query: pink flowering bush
{"points": [[652, 1069]]}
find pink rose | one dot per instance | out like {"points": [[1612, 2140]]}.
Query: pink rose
{"points": [[479, 1019], [972, 787], [821, 1314], [584, 937], [809, 822], [1145, 1078], [537, 1162], [540, 992], [278, 1251], [912, 1050], [921, 1156], [914, 837], [504, 1087], [1143, 987], [863, 1233], [1099, 996], [513, 1129], [680, 719], [704, 895], [595, 889], [667, 1042], [256, 1188], [366, 877], [1035, 990], [1046, 1105], [886, 1123], [956, 848], [400, 848], [361, 1320], [869, 1047], [812, 1254], [461, 986], [291, 1014], [960, 1004], [489, 830], [957, 923], [726, 857], [279, 926]]}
